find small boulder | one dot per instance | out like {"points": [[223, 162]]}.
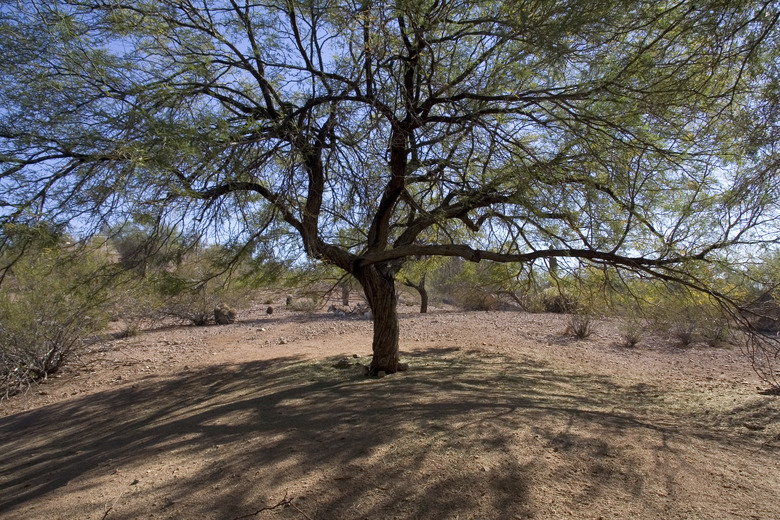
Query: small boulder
{"points": [[224, 314], [269, 310]]}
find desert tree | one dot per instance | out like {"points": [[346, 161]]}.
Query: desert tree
{"points": [[635, 134]]}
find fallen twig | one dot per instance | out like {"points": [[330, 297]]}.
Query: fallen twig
{"points": [[284, 502], [109, 508]]}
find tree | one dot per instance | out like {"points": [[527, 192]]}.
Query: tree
{"points": [[421, 290], [141, 247], [625, 133]]}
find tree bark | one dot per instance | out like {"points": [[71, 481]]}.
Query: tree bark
{"points": [[379, 288]]}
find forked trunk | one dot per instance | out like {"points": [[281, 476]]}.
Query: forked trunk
{"points": [[380, 293], [420, 288]]}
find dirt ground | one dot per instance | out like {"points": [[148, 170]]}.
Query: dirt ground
{"points": [[501, 416]]}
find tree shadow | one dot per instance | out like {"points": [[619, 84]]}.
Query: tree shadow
{"points": [[408, 444]]}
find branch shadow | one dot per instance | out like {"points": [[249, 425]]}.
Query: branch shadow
{"points": [[408, 444]]}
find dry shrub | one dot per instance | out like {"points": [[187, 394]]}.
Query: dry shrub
{"points": [[50, 308], [559, 303], [631, 333], [684, 332], [192, 293], [474, 299], [580, 325], [764, 354], [307, 304]]}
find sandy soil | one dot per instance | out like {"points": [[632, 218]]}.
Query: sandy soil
{"points": [[501, 415]]}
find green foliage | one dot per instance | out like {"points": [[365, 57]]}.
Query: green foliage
{"points": [[639, 134], [201, 282], [558, 302], [473, 297], [147, 247], [685, 315], [484, 286], [50, 303]]}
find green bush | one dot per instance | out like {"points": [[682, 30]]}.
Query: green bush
{"points": [[50, 304], [196, 287]]}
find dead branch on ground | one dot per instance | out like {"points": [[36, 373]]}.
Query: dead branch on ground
{"points": [[284, 502]]}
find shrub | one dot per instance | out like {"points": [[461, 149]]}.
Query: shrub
{"points": [[580, 325], [200, 283], [51, 304], [194, 298], [717, 332], [473, 298], [684, 331], [308, 304], [693, 323], [558, 303], [630, 334]]}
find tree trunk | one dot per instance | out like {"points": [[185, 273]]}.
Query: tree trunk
{"points": [[345, 294], [423, 299], [420, 288], [379, 289]]}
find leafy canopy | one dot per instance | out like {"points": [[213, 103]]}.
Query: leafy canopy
{"points": [[637, 134]]}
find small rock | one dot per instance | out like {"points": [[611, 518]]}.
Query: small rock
{"points": [[269, 310], [381, 374]]}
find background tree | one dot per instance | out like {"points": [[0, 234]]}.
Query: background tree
{"points": [[639, 135], [141, 246], [414, 277]]}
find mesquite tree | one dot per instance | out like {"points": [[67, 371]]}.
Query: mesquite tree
{"points": [[637, 134]]}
